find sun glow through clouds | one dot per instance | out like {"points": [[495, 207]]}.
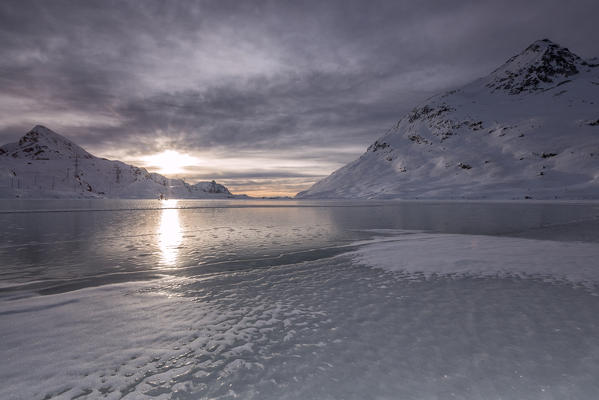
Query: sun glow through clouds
{"points": [[170, 161]]}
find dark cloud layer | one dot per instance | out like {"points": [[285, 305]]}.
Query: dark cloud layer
{"points": [[309, 81]]}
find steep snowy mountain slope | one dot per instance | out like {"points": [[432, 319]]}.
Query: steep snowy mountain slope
{"points": [[529, 129], [44, 164]]}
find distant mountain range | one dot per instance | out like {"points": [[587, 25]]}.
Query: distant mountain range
{"points": [[44, 164], [530, 129]]}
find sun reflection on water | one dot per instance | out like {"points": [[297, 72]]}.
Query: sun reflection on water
{"points": [[170, 235]]}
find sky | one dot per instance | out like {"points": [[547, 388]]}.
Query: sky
{"points": [[266, 97]]}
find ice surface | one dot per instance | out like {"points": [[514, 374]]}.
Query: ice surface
{"points": [[393, 312], [332, 328], [483, 256]]}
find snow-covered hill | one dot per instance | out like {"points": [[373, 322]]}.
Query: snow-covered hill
{"points": [[529, 129], [44, 164]]}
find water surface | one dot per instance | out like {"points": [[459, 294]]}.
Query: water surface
{"points": [[269, 299]]}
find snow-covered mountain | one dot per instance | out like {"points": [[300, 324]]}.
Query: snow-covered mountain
{"points": [[529, 129], [44, 164]]}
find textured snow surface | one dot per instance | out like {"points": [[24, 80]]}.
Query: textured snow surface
{"points": [[529, 129], [44, 164], [427, 254], [447, 316]]}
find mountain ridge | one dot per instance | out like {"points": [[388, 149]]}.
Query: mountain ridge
{"points": [[535, 68], [45, 164], [41, 143], [529, 129]]}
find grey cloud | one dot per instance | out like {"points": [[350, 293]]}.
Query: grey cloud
{"points": [[255, 75], [245, 175]]}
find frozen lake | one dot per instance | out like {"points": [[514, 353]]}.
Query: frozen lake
{"points": [[197, 299]]}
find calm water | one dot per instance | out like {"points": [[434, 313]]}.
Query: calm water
{"points": [[65, 244], [262, 299]]}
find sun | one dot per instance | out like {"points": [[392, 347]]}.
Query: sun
{"points": [[170, 162]]}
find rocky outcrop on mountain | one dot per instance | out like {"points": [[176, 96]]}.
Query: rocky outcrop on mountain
{"points": [[528, 130]]}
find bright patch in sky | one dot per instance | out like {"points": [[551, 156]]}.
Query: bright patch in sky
{"points": [[170, 161]]}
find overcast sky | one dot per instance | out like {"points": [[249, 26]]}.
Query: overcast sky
{"points": [[268, 96]]}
